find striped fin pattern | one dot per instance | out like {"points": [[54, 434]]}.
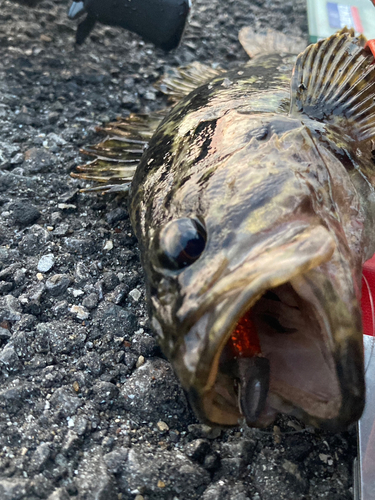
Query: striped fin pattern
{"points": [[179, 82], [269, 42], [334, 82], [117, 157]]}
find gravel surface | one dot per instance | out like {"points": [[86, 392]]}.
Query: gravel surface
{"points": [[89, 408]]}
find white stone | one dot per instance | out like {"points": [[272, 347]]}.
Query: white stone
{"points": [[80, 312], [66, 206], [135, 294], [140, 361], [108, 245], [46, 263], [162, 426]]}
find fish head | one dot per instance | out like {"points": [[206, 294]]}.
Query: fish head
{"points": [[253, 286]]}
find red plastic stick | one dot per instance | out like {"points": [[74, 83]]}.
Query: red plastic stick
{"points": [[368, 295], [370, 45]]}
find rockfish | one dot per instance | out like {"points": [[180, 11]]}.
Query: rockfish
{"points": [[254, 207]]}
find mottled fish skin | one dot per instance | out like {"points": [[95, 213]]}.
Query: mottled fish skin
{"points": [[287, 205], [185, 137]]}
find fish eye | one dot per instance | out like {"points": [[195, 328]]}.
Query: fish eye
{"points": [[181, 242]]}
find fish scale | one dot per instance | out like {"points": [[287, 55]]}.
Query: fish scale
{"points": [[257, 185]]}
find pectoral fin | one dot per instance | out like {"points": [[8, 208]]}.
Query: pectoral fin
{"points": [[334, 82]]}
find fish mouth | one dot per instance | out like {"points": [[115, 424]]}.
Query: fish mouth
{"points": [[286, 343], [277, 358]]}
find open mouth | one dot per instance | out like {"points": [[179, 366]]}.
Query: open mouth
{"points": [[278, 333], [278, 358]]}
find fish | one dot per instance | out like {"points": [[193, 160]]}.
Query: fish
{"points": [[253, 203]]}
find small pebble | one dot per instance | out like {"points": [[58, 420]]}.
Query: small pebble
{"points": [[135, 294], [276, 434], [56, 139], [162, 426], [56, 218], [17, 159], [45, 38], [61, 230], [140, 361], [161, 484], [25, 213], [116, 215], [46, 263], [294, 425], [57, 284], [204, 431], [66, 206], [4, 333], [91, 301], [108, 245], [80, 312], [174, 436]]}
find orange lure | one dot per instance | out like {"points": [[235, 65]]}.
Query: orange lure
{"points": [[244, 341]]}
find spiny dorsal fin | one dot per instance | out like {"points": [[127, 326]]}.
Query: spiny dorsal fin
{"points": [[117, 157], [269, 42], [179, 82], [334, 80]]}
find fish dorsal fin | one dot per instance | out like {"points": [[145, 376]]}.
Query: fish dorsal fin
{"points": [[269, 42], [117, 156], [334, 81], [179, 82]]}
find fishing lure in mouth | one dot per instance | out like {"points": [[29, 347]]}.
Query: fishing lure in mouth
{"points": [[161, 22], [253, 202]]}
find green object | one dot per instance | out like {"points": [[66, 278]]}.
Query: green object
{"points": [[326, 17]]}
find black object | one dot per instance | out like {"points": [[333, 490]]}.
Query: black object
{"points": [[161, 22], [29, 3], [254, 383]]}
